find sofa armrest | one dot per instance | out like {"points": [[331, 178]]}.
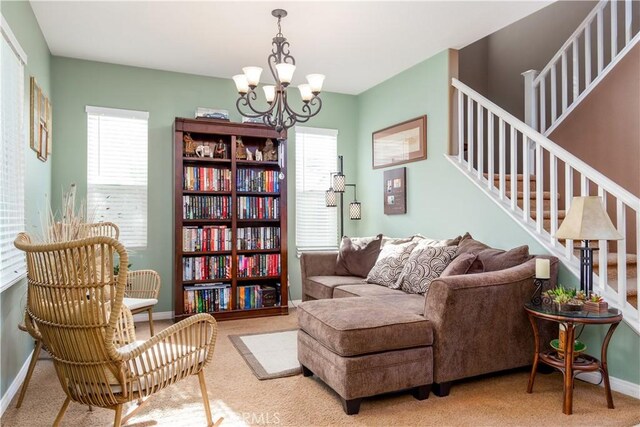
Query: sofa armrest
{"points": [[479, 322], [318, 264]]}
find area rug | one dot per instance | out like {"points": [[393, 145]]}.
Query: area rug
{"points": [[270, 355]]}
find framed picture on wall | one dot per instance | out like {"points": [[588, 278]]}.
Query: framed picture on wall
{"points": [[402, 143], [40, 122], [395, 191]]}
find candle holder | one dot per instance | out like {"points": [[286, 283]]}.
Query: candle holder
{"points": [[538, 298]]}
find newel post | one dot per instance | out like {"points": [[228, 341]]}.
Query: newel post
{"points": [[530, 99], [531, 108]]}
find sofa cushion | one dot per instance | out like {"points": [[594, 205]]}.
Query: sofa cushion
{"points": [[423, 266], [460, 265], [408, 303], [390, 263], [356, 326], [321, 287], [357, 255], [364, 290], [497, 259], [469, 245]]}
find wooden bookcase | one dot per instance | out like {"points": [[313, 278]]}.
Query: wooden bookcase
{"points": [[253, 136]]}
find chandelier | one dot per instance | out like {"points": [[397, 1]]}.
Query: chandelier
{"points": [[280, 115]]}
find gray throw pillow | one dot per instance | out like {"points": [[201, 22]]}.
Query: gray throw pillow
{"points": [[469, 245], [423, 267], [390, 263], [497, 259], [461, 264], [357, 255]]}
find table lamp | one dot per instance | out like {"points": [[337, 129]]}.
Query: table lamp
{"points": [[587, 220]]}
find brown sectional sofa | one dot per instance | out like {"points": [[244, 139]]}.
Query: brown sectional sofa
{"points": [[467, 325]]}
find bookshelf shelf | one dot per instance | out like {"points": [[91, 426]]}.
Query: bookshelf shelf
{"points": [[200, 253], [195, 179], [207, 193], [196, 282], [258, 251], [206, 160], [257, 193], [205, 221]]}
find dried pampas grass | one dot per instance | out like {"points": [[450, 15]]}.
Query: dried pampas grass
{"points": [[67, 224]]}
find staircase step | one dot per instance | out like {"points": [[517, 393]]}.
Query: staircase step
{"points": [[632, 289], [547, 215], [612, 259], [546, 195], [612, 265], [546, 203], [520, 179]]}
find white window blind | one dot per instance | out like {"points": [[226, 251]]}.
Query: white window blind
{"points": [[12, 146], [316, 154], [117, 171]]}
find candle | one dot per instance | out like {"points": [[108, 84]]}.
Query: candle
{"points": [[543, 267]]}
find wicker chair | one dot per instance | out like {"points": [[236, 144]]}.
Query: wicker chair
{"points": [[72, 301], [141, 293]]}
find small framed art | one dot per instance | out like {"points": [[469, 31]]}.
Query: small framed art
{"points": [[395, 191]]}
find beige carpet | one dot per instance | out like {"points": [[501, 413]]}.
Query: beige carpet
{"points": [[242, 399]]}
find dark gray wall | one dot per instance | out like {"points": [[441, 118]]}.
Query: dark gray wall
{"points": [[493, 65]]}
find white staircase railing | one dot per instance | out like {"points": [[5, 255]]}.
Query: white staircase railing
{"points": [[591, 52], [494, 150]]}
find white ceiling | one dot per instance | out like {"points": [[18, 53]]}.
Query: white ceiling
{"points": [[355, 44]]}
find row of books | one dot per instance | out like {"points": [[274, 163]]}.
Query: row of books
{"points": [[206, 207], [257, 180], [206, 267], [207, 298], [258, 265], [258, 296], [251, 238], [258, 207], [206, 179], [207, 238]]}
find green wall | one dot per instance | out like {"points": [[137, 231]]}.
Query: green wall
{"points": [[442, 203], [15, 346], [165, 95]]}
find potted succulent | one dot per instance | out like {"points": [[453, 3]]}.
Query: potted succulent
{"points": [[565, 299], [596, 304]]}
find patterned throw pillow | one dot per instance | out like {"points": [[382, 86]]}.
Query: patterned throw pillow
{"points": [[389, 264], [423, 267]]}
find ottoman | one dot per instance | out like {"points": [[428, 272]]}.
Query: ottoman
{"points": [[362, 347]]}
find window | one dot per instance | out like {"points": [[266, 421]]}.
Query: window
{"points": [[117, 171], [316, 154], [12, 145]]}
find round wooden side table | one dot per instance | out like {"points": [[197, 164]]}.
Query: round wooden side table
{"points": [[568, 365]]}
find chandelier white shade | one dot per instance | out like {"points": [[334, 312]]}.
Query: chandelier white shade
{"points": [[280, 115]]}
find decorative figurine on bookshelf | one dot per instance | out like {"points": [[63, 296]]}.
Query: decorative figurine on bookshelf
{"points": [[204, 151], [249, 154], [258, 155], [241, 152], [269, 152], [220, 150], [189, 145]]}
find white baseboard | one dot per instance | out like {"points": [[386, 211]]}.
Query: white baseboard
{"points": [[293, 303], [621, 386], [157, 315], [14, 388]]}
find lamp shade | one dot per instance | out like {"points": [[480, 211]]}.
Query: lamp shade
{"points": [[587, 220], [355, 210], [330, 200], [339, 182]]}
